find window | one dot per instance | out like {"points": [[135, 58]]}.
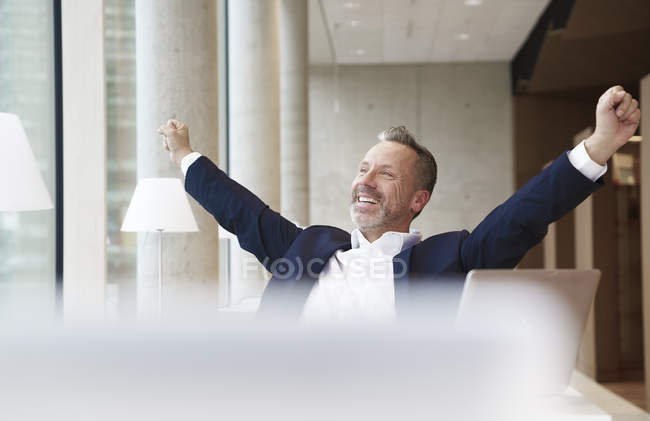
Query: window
{"points": [[121, 247], [27, 239]]}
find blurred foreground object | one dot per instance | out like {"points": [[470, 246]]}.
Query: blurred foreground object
{"points": [[251, 373], [547, 309]]}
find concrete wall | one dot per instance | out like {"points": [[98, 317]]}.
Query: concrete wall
{"points": [[461, 112]]}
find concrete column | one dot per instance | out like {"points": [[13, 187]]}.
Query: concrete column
{"points": [[294, 111], [176, 44], [254, 141], [645, 224]]}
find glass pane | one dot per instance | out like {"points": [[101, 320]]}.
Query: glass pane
{"points": [[121, 149], [27, 239]]}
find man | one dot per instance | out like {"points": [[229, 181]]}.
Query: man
{"points": [[325, 273]]}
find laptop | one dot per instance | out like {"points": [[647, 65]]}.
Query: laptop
{"points": [[546, 308]]}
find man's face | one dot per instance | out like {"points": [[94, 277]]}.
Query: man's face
{"points": [[383, 188]]}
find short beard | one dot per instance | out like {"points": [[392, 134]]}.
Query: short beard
{"points": [[383, 220]]}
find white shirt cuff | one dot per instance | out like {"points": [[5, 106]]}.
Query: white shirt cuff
{"points": [[580, 159], [189, 160]]}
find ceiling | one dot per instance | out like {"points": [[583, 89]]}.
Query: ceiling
{"points": [[419, 31]]}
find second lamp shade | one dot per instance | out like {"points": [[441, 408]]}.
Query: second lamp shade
{"points": [[159, 204]]}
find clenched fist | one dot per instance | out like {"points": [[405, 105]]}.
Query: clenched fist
{"points": [[176, 140], [617, 118]]}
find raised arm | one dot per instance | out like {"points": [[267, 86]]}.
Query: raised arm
{"points": [[259, 229], [510, 230], [617, 118]]}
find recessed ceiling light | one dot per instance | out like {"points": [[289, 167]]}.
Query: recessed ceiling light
{"points": [[359, 51], [473, 2], [351, 5], [462, 36], [354, 23]]}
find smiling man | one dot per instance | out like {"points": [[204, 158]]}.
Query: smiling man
{"points": [[323, 273], [394, 182]]}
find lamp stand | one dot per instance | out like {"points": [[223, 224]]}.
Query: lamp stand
{"points": [[160, 266]]}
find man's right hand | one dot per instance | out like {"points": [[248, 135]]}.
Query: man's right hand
{"points": [[617, 118], [176, 140]]}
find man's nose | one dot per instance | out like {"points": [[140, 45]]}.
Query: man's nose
{"points": [[368, 179]]}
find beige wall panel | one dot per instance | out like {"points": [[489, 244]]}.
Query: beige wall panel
{"points": [[584, 259], [544, 127], [550, 247], [645, 222]]}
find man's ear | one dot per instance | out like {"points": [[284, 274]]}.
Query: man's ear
{"points": [[420, 199]]}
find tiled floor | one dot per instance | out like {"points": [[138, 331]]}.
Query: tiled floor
{"points": [[631, 391]]}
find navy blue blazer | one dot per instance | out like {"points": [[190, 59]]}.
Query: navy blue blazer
{"points": [[295, 256]]}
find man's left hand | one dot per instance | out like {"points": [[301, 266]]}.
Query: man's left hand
{"points": [[617, 118]]}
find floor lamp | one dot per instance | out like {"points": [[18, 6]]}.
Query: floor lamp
{"points": [[21, 184], [159, 205]]}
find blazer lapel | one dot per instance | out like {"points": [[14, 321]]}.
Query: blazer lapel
{"points": [[294, 276], [402, 281]]}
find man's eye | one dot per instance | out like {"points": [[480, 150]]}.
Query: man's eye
{"points": [[363, 170], [387, 173]]}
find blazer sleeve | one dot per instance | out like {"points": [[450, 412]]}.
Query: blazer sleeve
{"points": [[259, 229], [510, 230]]}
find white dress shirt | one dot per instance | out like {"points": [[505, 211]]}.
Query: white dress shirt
{"points": [[581, 160], [357, 285]]}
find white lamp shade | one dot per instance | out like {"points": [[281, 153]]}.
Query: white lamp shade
{"points": [[21, 185], [159, 204]]}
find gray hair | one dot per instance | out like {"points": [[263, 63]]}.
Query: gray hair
{"points": [[425, 167]]}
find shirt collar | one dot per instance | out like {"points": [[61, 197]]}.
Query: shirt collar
{"points": [[390, 242]]}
